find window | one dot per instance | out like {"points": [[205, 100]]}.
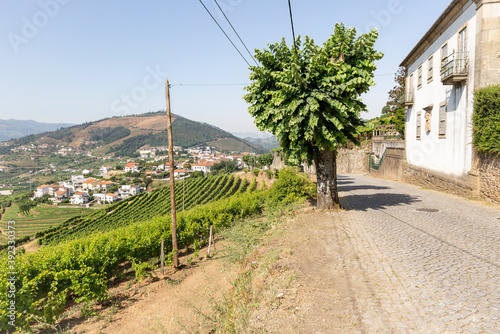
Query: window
{"points": [[419, 73], [442, 120], [430, 68], [462, 41], [444, 52], [419, 123]]}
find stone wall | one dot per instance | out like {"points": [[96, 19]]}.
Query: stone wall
{"points": [[436, 181], [392, 165], [348, 161], [489, 177], [352, 162]]}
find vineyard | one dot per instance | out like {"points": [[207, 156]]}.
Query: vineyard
{"points": [[80, 270], [145, 206], [40, 218]]}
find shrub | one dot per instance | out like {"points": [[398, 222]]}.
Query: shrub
{"points": [[256, 172], [486, 120], [290, 187]]}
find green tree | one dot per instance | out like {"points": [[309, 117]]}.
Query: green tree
{"points": [[396, 102], [308, 96], [265, 159]]}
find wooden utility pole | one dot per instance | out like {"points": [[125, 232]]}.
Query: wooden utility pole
{"points": [[172, 182]]}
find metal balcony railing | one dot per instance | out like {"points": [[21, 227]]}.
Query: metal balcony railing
{"points": [[454, 68]]}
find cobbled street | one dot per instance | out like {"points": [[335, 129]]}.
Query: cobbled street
{"points": [[425, 262]]}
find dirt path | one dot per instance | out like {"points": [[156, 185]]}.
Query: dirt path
{"points": [[179, 302]]}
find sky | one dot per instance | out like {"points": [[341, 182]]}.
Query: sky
{"points": [[70, 61]]}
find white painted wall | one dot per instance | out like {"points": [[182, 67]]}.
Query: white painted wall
{"points": [[451, 155]]}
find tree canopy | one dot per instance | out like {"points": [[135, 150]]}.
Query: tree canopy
{"points": [[309, 95]]}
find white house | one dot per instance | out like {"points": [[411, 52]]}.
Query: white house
{"points": [[100, 198], [132, 167], [110, 197], [458, 55], [104, 170], [42, 190], [180, 172], [127, 190], [79, 198], [202, 167]]}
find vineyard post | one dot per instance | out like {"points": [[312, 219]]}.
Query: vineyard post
{"points": [[172, 181], [183, 191], [162, 258]]}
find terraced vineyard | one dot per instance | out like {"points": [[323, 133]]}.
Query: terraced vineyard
{"points": [[145, 206], [41, 218]]}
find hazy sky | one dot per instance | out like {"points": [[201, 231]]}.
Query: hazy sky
{"points": [[75, 61]]}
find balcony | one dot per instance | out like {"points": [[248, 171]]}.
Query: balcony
{"points": [[454, 69], [409, 97]]}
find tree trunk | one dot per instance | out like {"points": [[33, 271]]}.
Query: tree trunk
{"points": [[326, 175]]}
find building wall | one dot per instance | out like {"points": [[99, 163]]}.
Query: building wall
{"points": [[451, 155]]}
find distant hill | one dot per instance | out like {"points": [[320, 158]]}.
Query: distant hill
{"points": [[269, 143], [12, 129], [123, 136]]}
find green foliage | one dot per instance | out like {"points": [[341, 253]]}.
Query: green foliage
{"points": [[265, 160], [256, 172], [399, 120], [81, 269], [269, 174], [289, 188], [486, 120], [109, 135], [224, 167], [310, 99]]}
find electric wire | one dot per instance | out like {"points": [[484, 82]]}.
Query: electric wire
{"points": [[213, 18], [293, 30], [236, 32]]}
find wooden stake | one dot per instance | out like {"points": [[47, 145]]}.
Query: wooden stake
{"points": [[162, 258], [172, 181], [183, 191], [210, 239]]}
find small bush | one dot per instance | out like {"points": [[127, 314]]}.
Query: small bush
{"points": [[256, 172], [269, 174], [486, 120], [289, 188]]}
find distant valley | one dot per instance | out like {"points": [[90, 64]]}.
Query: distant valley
{"points": [[12, 128]]}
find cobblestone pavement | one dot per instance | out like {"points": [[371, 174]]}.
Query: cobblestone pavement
{"points": [[431, 261]]}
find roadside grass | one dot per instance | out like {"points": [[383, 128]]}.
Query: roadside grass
{"points": [[249, 245]]}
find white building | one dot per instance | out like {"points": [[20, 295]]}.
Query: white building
{"points": [[132, 167], [104, 170], [79, 198], [110, 197], [129, 190], [42, 190], [202, 167], [454, 58]]}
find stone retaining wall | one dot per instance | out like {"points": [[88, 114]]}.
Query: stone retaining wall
{"points": [[352, 162], [436, 181], [489, 177]]}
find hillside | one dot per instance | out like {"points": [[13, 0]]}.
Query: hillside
{"points": [[269, 143], [123, 136], [12, 128]]}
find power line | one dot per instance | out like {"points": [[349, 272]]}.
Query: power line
{"points": [[213, 18], [236, 32], [293, 30], [211, 84]]}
